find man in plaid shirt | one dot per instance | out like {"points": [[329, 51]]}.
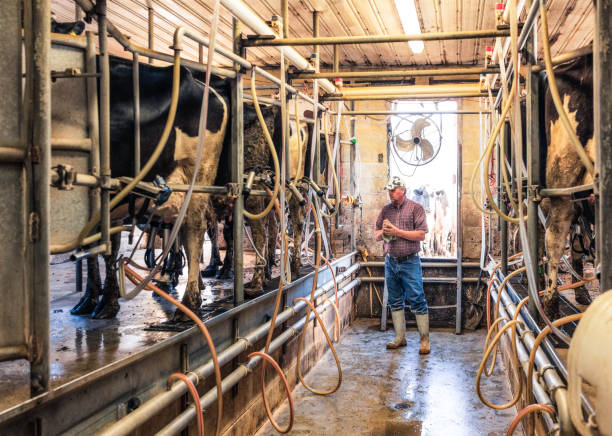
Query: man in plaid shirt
{"points": [[402, 225]]}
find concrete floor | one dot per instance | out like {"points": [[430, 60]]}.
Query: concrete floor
{"points": [[398, 392], [80, 345]]}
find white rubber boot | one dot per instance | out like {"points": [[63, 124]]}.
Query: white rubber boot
{"points": [[423, 326], [399, 325]]}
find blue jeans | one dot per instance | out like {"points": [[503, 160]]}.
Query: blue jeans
{"points": [[405, 282]]}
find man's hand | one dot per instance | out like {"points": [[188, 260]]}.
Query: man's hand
{"points": [[389, 229]]}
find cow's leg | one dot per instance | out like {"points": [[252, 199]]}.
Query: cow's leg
{"points": [[297, 222], [193, 239], [581, 293], [88, 302], [556, 235], [109, 304], [271, 245], [228, 234], [258, 230], [215, 256]]}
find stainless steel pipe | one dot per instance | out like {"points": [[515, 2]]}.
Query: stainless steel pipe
{"points": [[159, 402], [375, 39]]}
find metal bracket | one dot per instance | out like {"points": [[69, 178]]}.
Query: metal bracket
{"points": [[534, 193], [66, 177], [234, 190]]}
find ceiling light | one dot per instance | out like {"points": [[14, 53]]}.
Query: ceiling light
{"points": [[410, 22]]}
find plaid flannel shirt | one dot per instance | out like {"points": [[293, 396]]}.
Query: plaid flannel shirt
{"points": [[407, 216]]}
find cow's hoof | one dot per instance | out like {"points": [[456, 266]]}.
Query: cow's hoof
{"points": [[180, 316], [209, 271], [167, 287], [583, 297], [85, 306], [106, 310], [225, 274]]}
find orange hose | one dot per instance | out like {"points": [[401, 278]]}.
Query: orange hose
{"points": [[135, 278], [493, 277], [545, 331], [278, 369], [482, 368], [194, 395], [267, 358], [526, 411], [331, 346]]}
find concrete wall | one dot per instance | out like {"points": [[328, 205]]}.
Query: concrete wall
{"points": [[372, 170], [469, 138]]}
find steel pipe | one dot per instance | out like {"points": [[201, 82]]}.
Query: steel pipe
{"points": [[374, 39], [93, 120], [244, 63], [563, 192], [12, 154], [159, 402], [71, 144], [407, 90], [105, 170], [38, 200], [384, 113], [69, 40], [404, 97], [252, 20], [182, 421], [397, 73]]}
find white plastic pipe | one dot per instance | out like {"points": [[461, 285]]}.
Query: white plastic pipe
{"points": [[251, 20]]}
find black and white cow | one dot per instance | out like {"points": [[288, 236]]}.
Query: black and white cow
{"points": [[563, 166], [175, 165]]}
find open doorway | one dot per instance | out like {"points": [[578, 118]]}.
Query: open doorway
{"points": [[422, 150]]}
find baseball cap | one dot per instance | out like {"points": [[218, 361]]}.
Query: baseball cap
{"points": [[395, 182]]}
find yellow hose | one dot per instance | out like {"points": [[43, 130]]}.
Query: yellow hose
{"points": [[176, 78], [554, 91], [333, 168], [486, 152], [262, 214]]}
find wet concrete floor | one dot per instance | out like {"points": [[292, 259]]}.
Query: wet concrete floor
{"points": [[80, 345], [399, 392]]}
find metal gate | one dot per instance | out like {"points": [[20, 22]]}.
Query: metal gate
{"points": [[24, 186]]}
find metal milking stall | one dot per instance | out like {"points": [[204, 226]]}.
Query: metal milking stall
{"points": [[25, 154]]}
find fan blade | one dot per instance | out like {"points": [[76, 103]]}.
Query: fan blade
{"points": [[403, 144], [418, 126], [427, 149]]}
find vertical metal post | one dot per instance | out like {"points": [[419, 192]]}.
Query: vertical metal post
{"points": [[353, 182], [459, 299], [136, 92], [91, 66], [151, 26], [533, 163], [284, 271], [502, 199], [336, 59], [602, 77], [104, 124], [237, 137], [41, 138], [93, 124], [317, 53]]}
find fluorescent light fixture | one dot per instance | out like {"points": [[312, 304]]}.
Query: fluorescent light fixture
{"points": [[410, 22]]}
